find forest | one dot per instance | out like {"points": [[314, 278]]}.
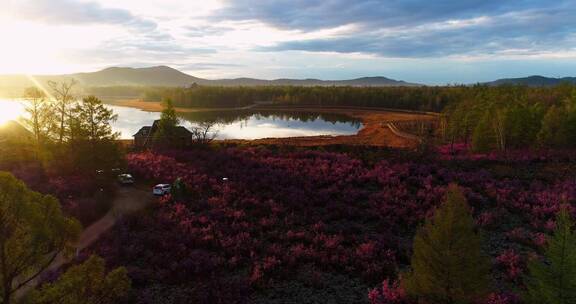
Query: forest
{"points": [[487, 118]]}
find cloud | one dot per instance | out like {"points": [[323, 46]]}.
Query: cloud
{"points": [[206, 30], [309, 15], [154, 48], [207, 66], [154, 45], [77, 12], [523, 32]]}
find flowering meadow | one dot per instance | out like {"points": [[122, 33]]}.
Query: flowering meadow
{"points": [[257, 225]]}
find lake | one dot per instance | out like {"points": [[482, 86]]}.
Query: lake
{"points": [[241, 124]]}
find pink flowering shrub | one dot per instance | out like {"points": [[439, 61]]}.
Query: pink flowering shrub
{"points": [[502, 298], [512, 263], [261, 216], [388, 293]]}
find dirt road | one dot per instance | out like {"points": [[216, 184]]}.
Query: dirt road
{"points": [[127, 200]]}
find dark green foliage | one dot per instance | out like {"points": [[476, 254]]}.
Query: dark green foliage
{"points": [[91, 119], [511, 117], [483, 138], [33, 232], [553, 280], [523, 124], [416, 98], [167, 124], [179, 191], [92, 144], [448, 265], [558, 127], [87, 283]]}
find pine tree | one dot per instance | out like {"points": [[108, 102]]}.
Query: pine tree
{"points": [[447, 264], [94, 120], [92, 142], [168, 118], [553, 281], [33, 232], [167, 124]]}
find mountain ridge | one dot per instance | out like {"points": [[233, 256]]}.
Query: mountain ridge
{"points": [[162, 75], [167, 76], [533, 80]]}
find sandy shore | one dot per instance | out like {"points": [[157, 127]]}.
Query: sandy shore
{"points": [[373, 133]]}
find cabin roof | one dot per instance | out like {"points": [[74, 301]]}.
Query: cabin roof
{"points": [[144, 131], [179, 131]]}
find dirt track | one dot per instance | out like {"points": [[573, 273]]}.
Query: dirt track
{"points": [[126, 201]]}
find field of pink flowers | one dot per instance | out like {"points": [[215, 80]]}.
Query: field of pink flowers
{"points": [[322, 227]]}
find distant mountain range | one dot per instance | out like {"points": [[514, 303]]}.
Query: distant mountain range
{"points": [[13, 85], [534, 81], [167, 76]]}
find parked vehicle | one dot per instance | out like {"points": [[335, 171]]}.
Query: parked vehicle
{"points": [[125, 179], [162, 189]]}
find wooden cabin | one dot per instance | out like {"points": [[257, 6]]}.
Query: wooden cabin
{"points": [[145, 137]]}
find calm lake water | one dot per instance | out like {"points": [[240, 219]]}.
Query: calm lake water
{"points": [[243, 124]]}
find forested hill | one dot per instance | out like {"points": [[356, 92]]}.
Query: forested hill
{"points": [[533, 81], [358, 82], [153, 76], [167, 76], [163, 76]]}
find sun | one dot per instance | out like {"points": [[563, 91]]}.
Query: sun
{"points": [[10, 110]]}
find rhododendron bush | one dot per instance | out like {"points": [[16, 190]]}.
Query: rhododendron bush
{"points": [[254, 219]]}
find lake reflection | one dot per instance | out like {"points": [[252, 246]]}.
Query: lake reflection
{"points": [[244, 124], [249, 124]]}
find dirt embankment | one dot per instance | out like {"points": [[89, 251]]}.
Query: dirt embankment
{"points": [[373, 133]]}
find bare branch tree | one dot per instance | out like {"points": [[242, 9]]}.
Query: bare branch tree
{"points": [[38, 119], [64, 98], [204, 133]]}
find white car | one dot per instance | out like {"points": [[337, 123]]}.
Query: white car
{"points": [[161, 189]]}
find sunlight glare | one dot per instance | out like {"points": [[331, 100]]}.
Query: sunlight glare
{"points": [[10, 110]]}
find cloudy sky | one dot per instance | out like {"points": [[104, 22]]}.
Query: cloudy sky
{"points": [[433, 42]]}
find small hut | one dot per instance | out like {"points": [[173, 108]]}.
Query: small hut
{"points": [[181, 137]]}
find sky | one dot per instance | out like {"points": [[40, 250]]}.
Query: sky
{"points": [[422, 41]]}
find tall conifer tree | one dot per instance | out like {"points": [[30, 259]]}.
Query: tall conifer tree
{"points": [[448, 265], [553, 281]]}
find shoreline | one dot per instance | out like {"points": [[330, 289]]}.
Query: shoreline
{"points": [[155, 106], [373, 133]]}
